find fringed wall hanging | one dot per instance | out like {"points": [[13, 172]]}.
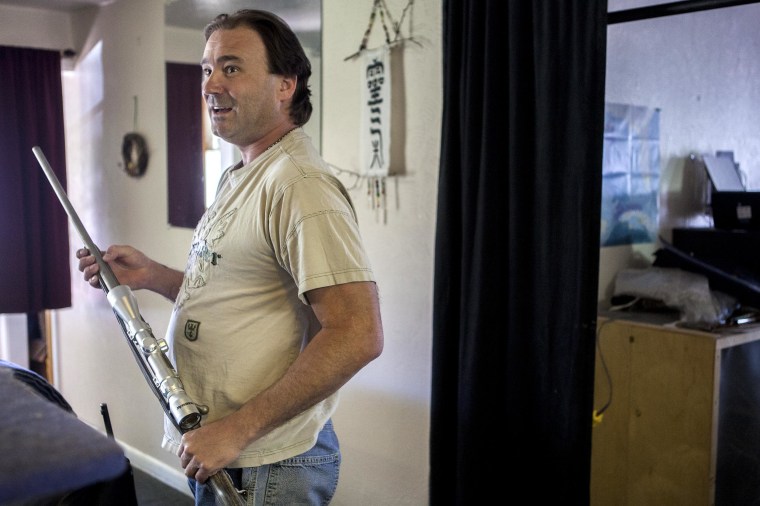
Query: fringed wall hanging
{"points": [[376, 104]]}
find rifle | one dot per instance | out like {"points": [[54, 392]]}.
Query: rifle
{"points": [[149, 352]]}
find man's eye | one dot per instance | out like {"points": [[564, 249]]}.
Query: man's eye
{"points": [[206, 72], [230, 70]]}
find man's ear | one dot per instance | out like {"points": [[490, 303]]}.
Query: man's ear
{"points": [[287, 87]]}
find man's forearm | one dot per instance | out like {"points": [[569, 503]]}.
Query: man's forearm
{"points": [[165, 281], [308, 381], [351, 336]]}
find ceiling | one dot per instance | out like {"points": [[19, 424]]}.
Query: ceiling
{"points": [[302, 15]]}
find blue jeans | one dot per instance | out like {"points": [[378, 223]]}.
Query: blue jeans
{"points": [[309, 478]]}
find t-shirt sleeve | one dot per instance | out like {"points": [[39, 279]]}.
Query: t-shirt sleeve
{"points": [[317, 236]]}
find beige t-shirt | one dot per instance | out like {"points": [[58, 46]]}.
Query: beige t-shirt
{"points": [[279, 227]]}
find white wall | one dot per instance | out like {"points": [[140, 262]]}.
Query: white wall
{"points": [[383, 417], [38, 28], [701, 70]]}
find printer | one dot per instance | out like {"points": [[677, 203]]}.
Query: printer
{"points": [[733, 207]]}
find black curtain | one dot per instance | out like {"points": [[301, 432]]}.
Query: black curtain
{"points": [[34, 241], [517, 251], [184, 144]]}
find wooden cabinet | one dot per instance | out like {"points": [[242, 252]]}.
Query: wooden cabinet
{"points": [[683, 418]]}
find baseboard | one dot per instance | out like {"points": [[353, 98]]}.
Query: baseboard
{"points": [[159, 470]]}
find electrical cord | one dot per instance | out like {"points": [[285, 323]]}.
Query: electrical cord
{"points": [[598, 414]]}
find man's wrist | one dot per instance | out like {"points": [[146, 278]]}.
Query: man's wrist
{"points": [[166, 280]]}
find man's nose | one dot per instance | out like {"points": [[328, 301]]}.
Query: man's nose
{"points": [[211, 85]]}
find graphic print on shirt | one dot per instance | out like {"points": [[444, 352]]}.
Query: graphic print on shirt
{"points": [[203, 256], [191, 329]]}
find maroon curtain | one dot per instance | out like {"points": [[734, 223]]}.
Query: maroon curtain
{"points": [[34, 242], [184, 144]]}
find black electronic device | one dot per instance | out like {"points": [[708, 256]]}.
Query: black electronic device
{"points": [[738, 210], [729, 259], [733, 207]]}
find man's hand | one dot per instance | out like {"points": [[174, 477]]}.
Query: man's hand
{"points": [[208, 449], [129, 265], [132, 268]]}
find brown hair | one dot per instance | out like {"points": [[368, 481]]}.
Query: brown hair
{"points": [[284, 53]]}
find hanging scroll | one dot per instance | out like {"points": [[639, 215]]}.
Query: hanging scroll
{"points": [[376, 112], [375, 128]]}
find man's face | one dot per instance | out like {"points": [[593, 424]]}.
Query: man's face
{"points": [[240, 93]]}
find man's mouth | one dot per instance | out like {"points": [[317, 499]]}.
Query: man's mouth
{"points": [[220, 110]]}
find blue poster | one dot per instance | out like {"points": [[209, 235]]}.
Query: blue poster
{"points": [[630, 174]]}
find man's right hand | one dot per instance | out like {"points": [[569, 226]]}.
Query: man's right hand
{"points": [[130, 266]]}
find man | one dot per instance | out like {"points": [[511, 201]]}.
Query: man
{"points": [[277, 307]]}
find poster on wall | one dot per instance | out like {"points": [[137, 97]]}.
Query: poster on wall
{"points": [[630, 174]]}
